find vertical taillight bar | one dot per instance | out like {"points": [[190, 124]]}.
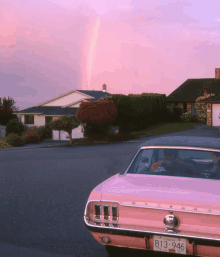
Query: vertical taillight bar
{"points": [[106, 212], [114, 213], [97, 211]]}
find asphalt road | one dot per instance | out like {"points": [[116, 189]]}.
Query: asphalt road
{"points": [[43, 196]]}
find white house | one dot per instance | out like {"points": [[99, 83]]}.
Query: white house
{"points": [[66, 104]]}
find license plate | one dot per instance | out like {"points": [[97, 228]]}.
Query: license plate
{"points": [[170, 244]]}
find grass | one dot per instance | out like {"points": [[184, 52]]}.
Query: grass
{"points": [[164, 128]]}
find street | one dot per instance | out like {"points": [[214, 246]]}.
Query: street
{"points": [[44, 192], [43, 196]]}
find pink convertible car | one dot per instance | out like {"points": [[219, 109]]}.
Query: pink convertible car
{"points": [[167, 199]]}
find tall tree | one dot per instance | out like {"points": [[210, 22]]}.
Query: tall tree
{"points": [[8, 103], [7, 107]]}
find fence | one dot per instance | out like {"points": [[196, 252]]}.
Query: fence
{"points": [[2, 131]]}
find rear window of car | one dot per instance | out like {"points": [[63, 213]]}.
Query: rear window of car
{"points": [[177, 162]]}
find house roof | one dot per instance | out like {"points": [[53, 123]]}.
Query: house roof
{"points": [[193, 88], [48, 110], [60, 110], [95, 94], [92, 96]]}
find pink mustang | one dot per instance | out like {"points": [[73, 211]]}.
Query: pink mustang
{"points": [[167, 199]]}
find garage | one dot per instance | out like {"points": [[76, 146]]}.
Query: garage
{"points": [[76, 133], [216, 114]]}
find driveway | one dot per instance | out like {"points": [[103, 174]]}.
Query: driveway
{"points": [[198, 131]]}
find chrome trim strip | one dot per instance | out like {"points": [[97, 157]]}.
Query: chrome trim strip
{"points": [[155, 232], [151, 207], [182, 147], [129, 165]]}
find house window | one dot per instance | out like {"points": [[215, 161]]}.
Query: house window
{"points": [[28, 119], [194, 110], [48, 119]]}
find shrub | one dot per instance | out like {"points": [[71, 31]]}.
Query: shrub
{"points": [[16, 127], [94, 131], [15, 140], [32, 135], [4, 143], [45, 132], [173, 113], [187, 117]]}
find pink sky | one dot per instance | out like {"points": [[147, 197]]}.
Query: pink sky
{"points": [[48, 48]]}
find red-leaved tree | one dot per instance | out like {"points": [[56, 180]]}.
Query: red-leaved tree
{"points": [[96, 116]]}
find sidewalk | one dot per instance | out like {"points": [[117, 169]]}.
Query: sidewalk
{"points": [[46, 144]]}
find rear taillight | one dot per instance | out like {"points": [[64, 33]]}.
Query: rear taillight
{"points": [[114, 213], [102, 214], [97, 211], [106, 212]]}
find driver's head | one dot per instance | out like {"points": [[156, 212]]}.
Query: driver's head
{"points": [[170, 153]]}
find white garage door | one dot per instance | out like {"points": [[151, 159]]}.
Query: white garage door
{"points": [[76, 133], [216, 115]]}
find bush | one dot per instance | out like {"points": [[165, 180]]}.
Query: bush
{"points": [[187, 117], [4, 143], [46, 132], [32, 135], [95, 132], [16, 127], [173, 113], [15, 140]]}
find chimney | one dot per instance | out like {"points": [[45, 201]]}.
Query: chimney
{"points": [[217, 73], [104, 88]]}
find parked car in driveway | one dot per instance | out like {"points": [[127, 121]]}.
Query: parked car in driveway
{"points": [[166, 200]]}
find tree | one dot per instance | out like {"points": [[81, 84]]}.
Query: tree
{"points": [[96, 117], [7, 107], [97, 112], [66, 123], [8, 103], [15, 126], [6, 115]]}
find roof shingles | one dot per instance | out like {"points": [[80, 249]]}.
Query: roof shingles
{"points": [[193, 88]]}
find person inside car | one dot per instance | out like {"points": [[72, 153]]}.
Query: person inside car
{"points": [[171, 161], [214, 167]]}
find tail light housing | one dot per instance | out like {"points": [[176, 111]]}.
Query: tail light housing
{"points": [[97, 211], [106, 212], [114, 213], [102, 214]]}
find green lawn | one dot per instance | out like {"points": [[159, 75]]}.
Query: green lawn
{"points": [[164, 128]]}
